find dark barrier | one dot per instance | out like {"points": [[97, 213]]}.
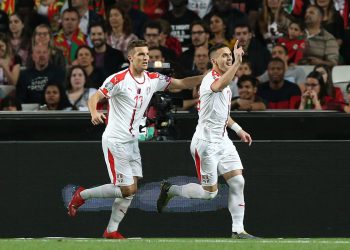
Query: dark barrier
{"points": [[269, 125], [293, 189]]}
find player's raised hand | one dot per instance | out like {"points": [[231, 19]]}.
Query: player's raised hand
{"points": [[245, 137], [97, 118], [238, 52]]}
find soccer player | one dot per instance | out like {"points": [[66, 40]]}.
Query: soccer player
{"points": [[211, 148], [129, 93]]}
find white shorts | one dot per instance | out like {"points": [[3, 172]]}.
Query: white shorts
{"points": [[123, 161], [213, 159]]}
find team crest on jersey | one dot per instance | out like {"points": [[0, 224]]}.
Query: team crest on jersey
{"points": [[109, 86]]}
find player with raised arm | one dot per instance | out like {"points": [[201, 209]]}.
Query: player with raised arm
{"points": [[129, 93], [211, 148]]}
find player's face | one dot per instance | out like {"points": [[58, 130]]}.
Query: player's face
{"points": [[247, 90], [139, 58], [222, 59]]}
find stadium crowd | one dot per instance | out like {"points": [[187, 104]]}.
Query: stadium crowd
{"points": [[56, 53]]}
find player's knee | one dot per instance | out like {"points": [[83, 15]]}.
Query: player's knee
{"points": [[128, 191], [236, 182], [210, 195]]}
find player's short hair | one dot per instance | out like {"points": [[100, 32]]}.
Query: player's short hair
{"points": [[248, 78], [136, 43], [215, 48]]}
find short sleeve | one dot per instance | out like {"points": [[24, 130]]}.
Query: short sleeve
{"points": [[110, 86]]}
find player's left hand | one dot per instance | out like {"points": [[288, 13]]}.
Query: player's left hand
{"points": [[245, 137]]}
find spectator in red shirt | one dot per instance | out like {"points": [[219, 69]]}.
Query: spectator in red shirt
{"points": [[294, 42]]}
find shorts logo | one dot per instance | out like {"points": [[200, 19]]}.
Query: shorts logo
{"points": [[205, 179], [120, 178]]}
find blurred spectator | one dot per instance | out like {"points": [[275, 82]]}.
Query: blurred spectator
{"points": [[201, 60], [119, 29], [277, 92], [315, 96], [51, 9], [253, 49], [69, 38], [321, 46], [292, 73], [218, 30], [167, 40], [249, 7], [332, 91], [77, 92], [152, 37], [152, 8], [138, 17], [347, 107], [155, 54], [332, 20], [199, 37], [43, 34], [245, 68], [85, 58], [32, 81], [10, 103], [180, 19], [9, 63], [294, 41], [233, 16], [31, 18], [273, 22], [87, 16], [20, 41], [247, 99], [4, 22], [106, 57], [200, 7], [55, 98]]}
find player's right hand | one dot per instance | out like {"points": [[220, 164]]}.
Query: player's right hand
{"points": [[238, 52], [97, 118]]}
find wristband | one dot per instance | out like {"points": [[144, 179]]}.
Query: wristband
{"points": [[235, 127]]}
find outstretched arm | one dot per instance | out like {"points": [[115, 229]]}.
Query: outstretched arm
{"points": [[245, 137], [227, 77], [185, 83], [96, 117]]}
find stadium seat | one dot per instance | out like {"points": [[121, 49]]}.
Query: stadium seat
{"points": [[341, 77], [307, 68]]}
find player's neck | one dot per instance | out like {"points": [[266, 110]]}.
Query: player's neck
{"points": [[136, 73]]}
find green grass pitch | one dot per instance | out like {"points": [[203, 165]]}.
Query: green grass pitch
{"points": [[175, 244]]}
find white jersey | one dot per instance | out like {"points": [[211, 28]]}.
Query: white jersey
{"points": [[213, 110], [128, 101]]}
